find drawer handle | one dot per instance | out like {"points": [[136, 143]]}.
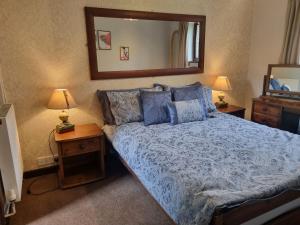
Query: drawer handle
{"points": [[82, 146]]}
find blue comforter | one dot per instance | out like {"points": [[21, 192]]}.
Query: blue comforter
{"points": [[192, 168]]}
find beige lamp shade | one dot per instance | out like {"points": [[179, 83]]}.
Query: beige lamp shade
{"points": [[61, 99], [222, 84]]}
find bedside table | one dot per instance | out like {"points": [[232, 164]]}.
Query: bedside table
{"points": [[233, 110], [80, 155]]}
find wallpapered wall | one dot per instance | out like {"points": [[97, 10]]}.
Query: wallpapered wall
{"points": [[269, 18], [43, 46]]}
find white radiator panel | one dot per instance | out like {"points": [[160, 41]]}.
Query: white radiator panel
{"points": [[11, 163]]}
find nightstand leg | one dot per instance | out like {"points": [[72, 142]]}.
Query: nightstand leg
{"points": [[60, 167], [102, 152]]}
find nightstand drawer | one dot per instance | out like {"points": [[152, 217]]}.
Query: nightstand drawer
{"points": [[267, 109], [81, 146], [266, 120]]}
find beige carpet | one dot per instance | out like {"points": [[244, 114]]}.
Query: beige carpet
{"points": [[119, 200]]}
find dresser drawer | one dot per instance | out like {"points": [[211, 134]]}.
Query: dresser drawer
{"points": [[80, 146], [267, 109], [266, 120]]}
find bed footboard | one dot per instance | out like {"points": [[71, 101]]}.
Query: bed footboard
{"points": [[240, 213]]}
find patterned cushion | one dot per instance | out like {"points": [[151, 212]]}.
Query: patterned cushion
{"points": [[125, 106], [207, 96], [108, 116], [154, 105], [186, 111]]}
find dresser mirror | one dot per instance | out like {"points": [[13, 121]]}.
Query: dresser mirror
{"points": [[283, 80], [124, 44]]}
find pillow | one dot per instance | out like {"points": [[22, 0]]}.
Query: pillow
{"points": [[154, 105], [105, 106], [207, 96], [186, 111], [285, 87], [275, 84], [187, 93], [166, 87], [125, 106], [105, 103]]}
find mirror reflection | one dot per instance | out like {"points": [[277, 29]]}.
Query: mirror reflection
{"points": [[285, 79], [131, 44]]}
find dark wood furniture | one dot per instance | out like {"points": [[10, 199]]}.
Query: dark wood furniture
{"points": [[81, 155], [2, 203], [234, 110], [269, 110], [91, 13]]}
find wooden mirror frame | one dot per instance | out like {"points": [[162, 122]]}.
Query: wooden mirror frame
{"points": [[90, 13], [267, 80]]}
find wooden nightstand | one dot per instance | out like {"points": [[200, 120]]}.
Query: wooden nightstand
{"points": [[81, 155], [234, 110]]}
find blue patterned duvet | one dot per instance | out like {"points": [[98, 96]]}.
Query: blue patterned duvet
{"points": [[192, 168]]}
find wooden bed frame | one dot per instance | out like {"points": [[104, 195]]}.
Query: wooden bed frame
{"points": [[243, 212]]}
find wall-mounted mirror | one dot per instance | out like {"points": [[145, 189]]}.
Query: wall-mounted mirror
{"points": [[283, 80], [138, 44]]}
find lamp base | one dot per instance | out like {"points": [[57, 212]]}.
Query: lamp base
{"points": [[221, 105], [64, 127]]}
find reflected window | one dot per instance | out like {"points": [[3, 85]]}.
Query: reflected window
{"points": [[192, 49]]}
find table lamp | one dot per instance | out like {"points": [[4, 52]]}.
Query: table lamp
{"points": [[62, 99], [222, 84]]}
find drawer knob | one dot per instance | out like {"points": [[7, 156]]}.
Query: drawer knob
{"points": [[82, 146]]}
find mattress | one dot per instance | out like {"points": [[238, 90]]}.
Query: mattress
{"points": [[192, 168]]}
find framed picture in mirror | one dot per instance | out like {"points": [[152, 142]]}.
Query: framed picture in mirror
{"points": [[161, 44], [124, 53], [104, 39]]}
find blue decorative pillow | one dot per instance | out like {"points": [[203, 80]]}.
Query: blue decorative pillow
{"points": [[154, 105], [186, 111], [207, 96], [275, 84], [285, 87], [187, 93]]}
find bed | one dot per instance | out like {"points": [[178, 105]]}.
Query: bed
{"points": [[224, 170]]}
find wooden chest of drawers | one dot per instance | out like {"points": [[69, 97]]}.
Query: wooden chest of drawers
{"points": [[266, 113]]}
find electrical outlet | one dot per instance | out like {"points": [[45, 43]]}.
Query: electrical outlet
{"points": [[45, 161]]}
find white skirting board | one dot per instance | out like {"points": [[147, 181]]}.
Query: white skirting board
{"points": [[11, 163]]}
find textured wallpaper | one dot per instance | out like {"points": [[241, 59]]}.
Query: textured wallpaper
{"points": [[43, 46]]}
